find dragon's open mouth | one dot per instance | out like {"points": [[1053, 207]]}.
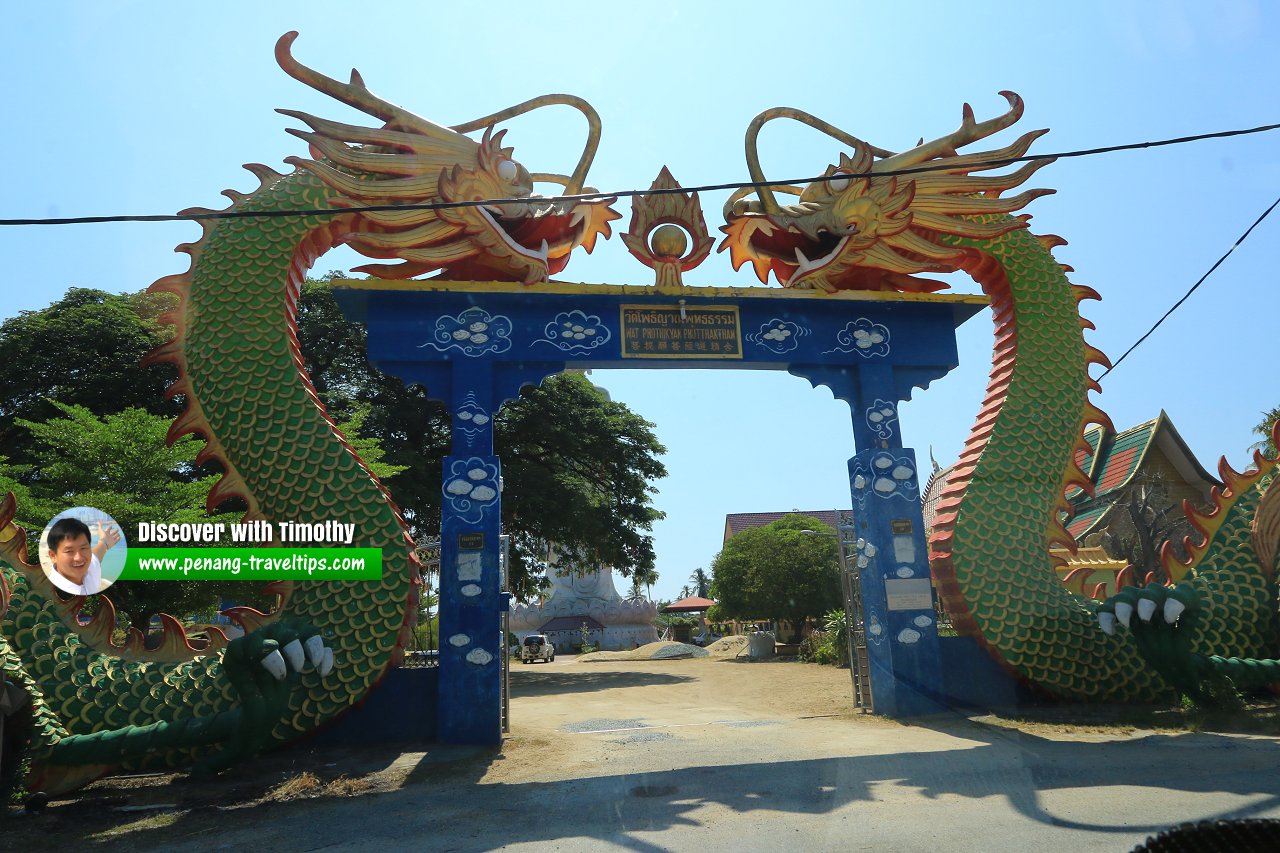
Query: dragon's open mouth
{"points": [[545, 235], [829, 262]]}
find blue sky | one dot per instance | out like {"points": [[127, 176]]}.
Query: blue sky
{"points": [[151, 108]]}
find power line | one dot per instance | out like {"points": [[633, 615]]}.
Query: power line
{"points": [[1185, 296], [598, 196]]}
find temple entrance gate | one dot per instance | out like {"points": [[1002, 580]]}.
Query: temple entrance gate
{"points": [[473, 345]]}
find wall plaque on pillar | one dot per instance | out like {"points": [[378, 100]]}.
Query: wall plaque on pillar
{"points": [[911, 594], [470, 541]]}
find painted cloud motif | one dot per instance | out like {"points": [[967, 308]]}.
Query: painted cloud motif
{"points": [[778, 336], [471, 488], [867, 339], [889, 476], [575, 329], [881, 417], [474, 332]]}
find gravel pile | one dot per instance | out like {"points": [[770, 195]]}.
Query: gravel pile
{"points": [[651, 651]]}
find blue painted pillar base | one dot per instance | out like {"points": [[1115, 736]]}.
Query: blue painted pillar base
{"points": [[469, 703], [897, 594]]}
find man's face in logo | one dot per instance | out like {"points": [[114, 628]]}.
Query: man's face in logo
{"points": [[71, 558]]}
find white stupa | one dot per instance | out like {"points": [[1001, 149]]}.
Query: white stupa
{"points": [[589, 599]]}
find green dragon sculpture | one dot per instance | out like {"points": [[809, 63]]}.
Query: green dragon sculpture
{"points": [[98, 706], [878, 221]]}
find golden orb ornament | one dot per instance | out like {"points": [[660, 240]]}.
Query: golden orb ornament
{"points": [[669, 241]]}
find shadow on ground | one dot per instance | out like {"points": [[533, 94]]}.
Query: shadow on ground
{"points": [[442, 801], [534, 682]]}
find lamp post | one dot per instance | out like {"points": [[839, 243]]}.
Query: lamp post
{"points": [[846, 587]]}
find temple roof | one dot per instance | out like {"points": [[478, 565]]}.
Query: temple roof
{"points": [[736, 522], [692, 604], [1111, 462]]}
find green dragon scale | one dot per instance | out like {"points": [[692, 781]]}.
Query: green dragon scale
{"points": [[98, 707], [870, 226]]}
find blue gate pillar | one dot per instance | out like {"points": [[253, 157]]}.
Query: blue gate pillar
{"points": [[469, 703], [891, 555]]}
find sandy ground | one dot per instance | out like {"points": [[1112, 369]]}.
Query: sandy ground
{"points": [[705, 753]]}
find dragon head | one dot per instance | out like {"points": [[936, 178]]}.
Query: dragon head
{"points": [[868, 226], [412, 161]]}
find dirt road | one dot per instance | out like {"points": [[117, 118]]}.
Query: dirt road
{"points": [[699, 754]]}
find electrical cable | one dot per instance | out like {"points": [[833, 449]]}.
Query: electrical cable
{"points": [[599, 196], [1186, 295]]}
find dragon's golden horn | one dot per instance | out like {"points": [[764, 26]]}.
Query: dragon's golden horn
{"points": [[739, 194], [459, 147], [354, 94], [968, 132], [579, 176], [753, 157]]}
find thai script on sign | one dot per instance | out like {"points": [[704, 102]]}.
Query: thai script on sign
{"points": [[675, 331]]}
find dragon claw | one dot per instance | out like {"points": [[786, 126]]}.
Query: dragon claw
{"points": [[315, 650], [1146, 609], [327, 663], [274, 664], [1107, 622], [1173, 608], [294, 654], [1124, 612]]}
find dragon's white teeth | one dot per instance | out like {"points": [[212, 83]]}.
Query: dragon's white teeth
{"points": [[1107, 622], [494, 209], [294, 654], [1124, 612], [327, 664], [274, 664], [1173, 609], [578, 216], [315, 650], [543, 250], [801, 261], [1146, 609]]}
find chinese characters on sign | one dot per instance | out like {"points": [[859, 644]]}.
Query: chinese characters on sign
{"points": [[672, 331]]}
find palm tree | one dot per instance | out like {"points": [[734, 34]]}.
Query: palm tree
{"points": [[685, 592], [701, 582], [636, 595]]}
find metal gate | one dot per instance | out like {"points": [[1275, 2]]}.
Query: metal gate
{"points": [[504, 555], [855, 627]]}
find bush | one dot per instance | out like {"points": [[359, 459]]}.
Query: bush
{"points": [[809, 647], [820, 647]]}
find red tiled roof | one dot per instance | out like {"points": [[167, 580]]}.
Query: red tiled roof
{"points": [[736, 522], [692, 604]]}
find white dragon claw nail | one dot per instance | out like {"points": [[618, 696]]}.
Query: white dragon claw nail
{"points": [[315, 650], [1107, 622], [1146, 609], [274, 664], [327, 663], [1173, 609], [294, 654], [1124, 612]]}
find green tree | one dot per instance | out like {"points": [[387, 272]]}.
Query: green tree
{"points": [[119, 464], [577, 467], [1264, 429], [642, 578], [85, 349], [700, 582], [776, 572]]}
